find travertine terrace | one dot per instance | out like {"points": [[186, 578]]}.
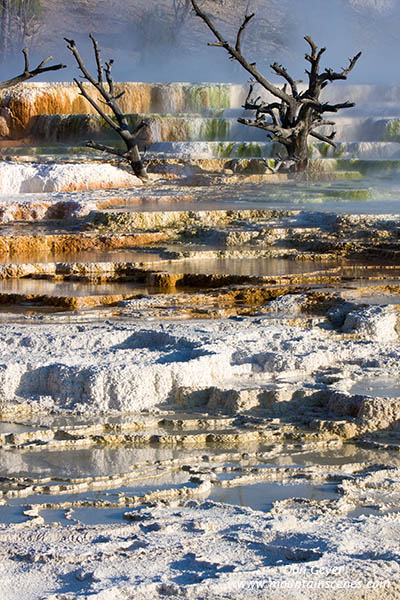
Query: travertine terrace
{"points": [[199, 376]]}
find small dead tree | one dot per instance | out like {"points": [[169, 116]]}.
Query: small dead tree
{"points": [[27, 25], [28, 73], [295, 115], [20, 26], [4, 27], [181, 9], [104, 84]]}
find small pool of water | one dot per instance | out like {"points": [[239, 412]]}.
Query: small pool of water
{"points": [[377, 387], [376, 193], [373, 194], [47, 287], [62, 466], [248, 266], [8, 427], [87, 462], [261, 496], [126, 255]]}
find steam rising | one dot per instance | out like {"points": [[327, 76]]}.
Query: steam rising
{"points": [[149, 43]]}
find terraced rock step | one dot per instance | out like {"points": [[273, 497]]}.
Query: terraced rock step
{"points": [[48, 129], [260, 250], [33, 99], [194, 127], [45, 247], [301, 235], [86, 370], [384, 149]]}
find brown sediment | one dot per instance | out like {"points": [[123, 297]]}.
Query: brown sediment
{"points": [[206, 179], [319, 303], [243, 295], [166, 280], [6, 143], [76, 186], [186, 303]]}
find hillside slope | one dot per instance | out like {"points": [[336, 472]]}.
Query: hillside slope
{"points": [[149, 41]]}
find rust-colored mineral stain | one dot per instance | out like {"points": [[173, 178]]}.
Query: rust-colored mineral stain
{"points": [[32, 99], [28, 245]]}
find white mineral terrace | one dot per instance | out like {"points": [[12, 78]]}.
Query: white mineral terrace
{"points": [[128, 368], [322, 530], [20, 178], [148, 458]]}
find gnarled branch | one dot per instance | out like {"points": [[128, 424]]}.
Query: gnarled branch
{"points": [[324, 138], [243, 26], [237, 55], [28, 73], [279, 70], [331, 75]]}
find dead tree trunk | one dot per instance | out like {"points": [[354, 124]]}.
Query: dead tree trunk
{"points": [[28, 74], [294, 115], [181, 10], [5, 28], [110, 98], [19, 26]]}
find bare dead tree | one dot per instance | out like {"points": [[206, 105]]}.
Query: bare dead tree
{"points": [[181, 10], [28, 73], [20, 25], [5, 27], [294, 115], [109, 96], [26, 24]]}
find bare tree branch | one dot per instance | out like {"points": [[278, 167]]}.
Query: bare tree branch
{"points": [[108, 149], [279, 70], [324, 138], [250, 67], [98, 59], [325, 107], [243, 26], [331, 75], [28, 74]]}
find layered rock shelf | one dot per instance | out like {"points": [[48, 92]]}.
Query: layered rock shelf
{"points": [[199, 380]]}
